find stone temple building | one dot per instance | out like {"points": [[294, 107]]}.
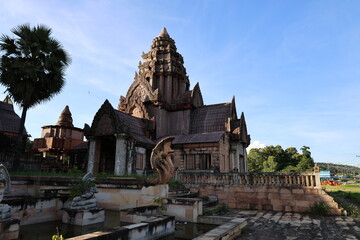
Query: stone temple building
{"points": [[160, 103], [59, 139]]}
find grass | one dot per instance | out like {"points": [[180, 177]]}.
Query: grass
{"points": [[347, 196], [347, 187], [320, 208]]}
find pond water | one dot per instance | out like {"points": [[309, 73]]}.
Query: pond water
{"points": [[44, 231]]}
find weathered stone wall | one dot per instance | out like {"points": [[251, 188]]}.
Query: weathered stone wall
{"points": [[184, 209], [272, 198], [115, 198], [31, 210], [151, 229], [224, 154]]}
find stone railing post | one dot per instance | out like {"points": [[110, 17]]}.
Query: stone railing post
{"points": [[317, 180]]}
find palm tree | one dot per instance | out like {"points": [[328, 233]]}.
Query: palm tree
{"points": [[32, 70]]}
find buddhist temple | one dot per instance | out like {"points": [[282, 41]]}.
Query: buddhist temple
{"points": [[57, 140], [160, 103]]}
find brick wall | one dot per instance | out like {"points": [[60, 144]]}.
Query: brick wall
{"points": [[271, 198]]}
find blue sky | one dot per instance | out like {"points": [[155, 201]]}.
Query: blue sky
{"points": [[293, 66]]}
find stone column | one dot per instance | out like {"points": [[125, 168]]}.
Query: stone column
{"points": [[120, 154], [91, 157], [161, 85]]}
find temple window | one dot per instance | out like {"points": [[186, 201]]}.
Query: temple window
{"points": [[190, 162], [204, 161], [139, 162]]}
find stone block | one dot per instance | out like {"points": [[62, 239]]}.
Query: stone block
{"points": [[298, 191], [276, 202], [265, 201], [251, 195], [262, 195], [288, 209], [336, 212], [249, 190], [274, 196], [301, 197], [314, 191], [333, 204], [83, 217], [286, 195], [326, 198], [312, 198], [278, 208], [303, 209], [267, 207], [287, 202], [302, 204], [241, 195], [242, 205], [254, 201], [232, 204], [273, 189], [285, 191], [262, 189]]}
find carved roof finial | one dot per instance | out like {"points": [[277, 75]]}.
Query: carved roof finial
{"points": [[164, 33], [65, 118]]}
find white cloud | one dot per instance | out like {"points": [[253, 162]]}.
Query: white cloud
{"points": [[255, 144]]}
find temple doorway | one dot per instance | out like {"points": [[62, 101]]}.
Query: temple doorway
{"points": [[107, 154]]}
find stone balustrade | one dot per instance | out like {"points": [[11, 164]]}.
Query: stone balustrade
{"points": [[289, 179]]}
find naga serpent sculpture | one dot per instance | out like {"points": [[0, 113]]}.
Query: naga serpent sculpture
{"points": [[160, 160], [5, 180]]}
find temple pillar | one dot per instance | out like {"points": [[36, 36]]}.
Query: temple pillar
{"points": [[120, 155], [91, 157], [161, 85]]}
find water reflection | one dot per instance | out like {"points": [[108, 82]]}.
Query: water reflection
{"points": [[44, 231]]}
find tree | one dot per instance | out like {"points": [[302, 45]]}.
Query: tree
{"points": [[31, 69], [256, 160], [307, 162], [270, 165]]}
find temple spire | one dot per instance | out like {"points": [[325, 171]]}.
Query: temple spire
{"points": [[65, 118], [164, 33]]}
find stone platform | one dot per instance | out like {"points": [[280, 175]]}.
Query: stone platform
{"points": [[268, 225], [9, 229], [83, 217]]}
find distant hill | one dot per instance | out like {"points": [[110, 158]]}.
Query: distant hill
{"points": [[339, 168]]}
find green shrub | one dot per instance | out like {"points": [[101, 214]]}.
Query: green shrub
{"points": [[175, 184], [80, 187], [320, 208], [161, 203], [217, 210]]}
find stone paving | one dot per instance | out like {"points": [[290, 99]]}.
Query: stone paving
{"points": [[289, 226]]}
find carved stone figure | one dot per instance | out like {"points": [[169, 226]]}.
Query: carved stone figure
{"points": [[87, 200], [160, 160]]}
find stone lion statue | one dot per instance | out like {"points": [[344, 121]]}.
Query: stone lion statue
{"points": [[160, 160]]}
